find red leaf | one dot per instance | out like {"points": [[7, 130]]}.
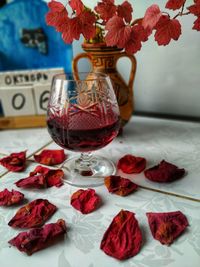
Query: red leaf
{"points": [[42, 177], [8, 198], [131, 164], [125, 11], [40, 238], [164, 172], [34, 214], [50, 157], [196, 24], [167, 29], [85, 201], [56, 6], [195, 9], [166, 227], [138, 35], [57, 15], [123, 238], [71, 31], [77, 5], [118, 33], [87, 20], [119, 186], [151, 17], [174, 4], [106, 9], [15, 162]]}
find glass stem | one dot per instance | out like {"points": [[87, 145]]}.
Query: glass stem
{"points": [[83, 165]]}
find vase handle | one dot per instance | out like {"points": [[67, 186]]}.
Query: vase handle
{"points": [[133, 67], [75, 63]]}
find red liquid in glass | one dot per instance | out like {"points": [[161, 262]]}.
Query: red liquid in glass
{"points": [[82, 140]]}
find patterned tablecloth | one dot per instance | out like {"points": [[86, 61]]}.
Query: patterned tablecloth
{"points": [[155, 139]]}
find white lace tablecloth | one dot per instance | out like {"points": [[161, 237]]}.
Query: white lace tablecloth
{"points": [[155, 139]]}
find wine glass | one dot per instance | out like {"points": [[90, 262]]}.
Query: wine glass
{"points": [[83, 116]]}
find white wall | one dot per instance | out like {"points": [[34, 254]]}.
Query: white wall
{"points": [[168, 78]]}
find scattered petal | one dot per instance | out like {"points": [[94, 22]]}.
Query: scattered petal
{"points": [[8, 198], [34, 214], [123, 238], [50, 157], [39, 238], [174, 4], [42, 177], [164, 172], [119, 186], [167, 29], [85, 201], [15, 162], [131, 164], [166, 227]]}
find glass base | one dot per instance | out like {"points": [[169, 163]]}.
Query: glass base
{"points": [[89, 172]]}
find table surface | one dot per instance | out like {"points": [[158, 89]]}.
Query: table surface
{"points": [[155, 139]]}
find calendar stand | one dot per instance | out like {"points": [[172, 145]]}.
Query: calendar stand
{"points": [[22, 122]]}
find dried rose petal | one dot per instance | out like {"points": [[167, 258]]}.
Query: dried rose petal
{"points": [[34, 214], [166, 227], [42, 177], [123, 238], [85, 201], [50, 157], [119, 185], [15, 162], [8, 198], [39, 238], [131, 164], [164, 172]]}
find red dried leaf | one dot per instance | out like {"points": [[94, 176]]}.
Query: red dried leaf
{"points": [[196, 24], [106, 9], [15, 162], [167, 29], [151, 17], [77, 5], [42, 177], [125, 11], [164, 172], [119, 185], [85, 201], [131, 164], [57, 15], [174, 4], [34, 214], [87, 20], [195, 9], [123, 238], [50, 157], [166, 227], [118, 32], [138, 35], [8, 198], [40, 238]]}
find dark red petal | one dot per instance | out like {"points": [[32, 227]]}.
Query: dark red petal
{"points": [[54, 178], [85, 201], [167, 226], [15, 162], [123, 238], [39, 238], [131, 164], [37, 181], [50, 157], [164, 172], [119, 186], [8, 198], [34, 214]]}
